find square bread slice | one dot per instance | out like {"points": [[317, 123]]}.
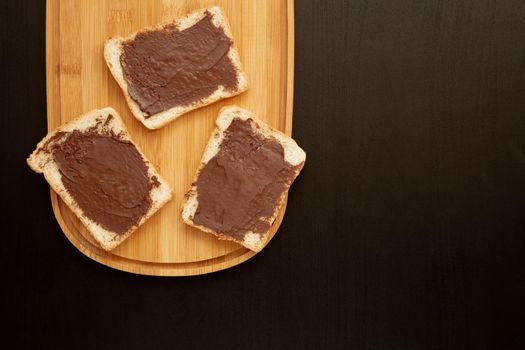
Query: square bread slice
{"points": [[104, 178], [173, 68], [242, 181]]}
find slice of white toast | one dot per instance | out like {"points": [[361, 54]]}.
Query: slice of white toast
{"points": [[113, 50], [293, 155], [99, 122]]}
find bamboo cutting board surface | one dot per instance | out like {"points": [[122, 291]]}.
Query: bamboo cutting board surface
{"points": [[78, 81]]}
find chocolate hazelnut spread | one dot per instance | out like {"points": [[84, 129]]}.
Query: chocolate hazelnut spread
{"points": [[240, 187], [106, 176], [165, 68]]}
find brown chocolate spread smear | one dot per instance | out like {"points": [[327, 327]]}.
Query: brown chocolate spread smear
{"points": [[106, 176], [239, 188], [166, 68]]}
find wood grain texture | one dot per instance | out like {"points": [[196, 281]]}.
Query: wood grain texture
{"points": [[78, 81]]}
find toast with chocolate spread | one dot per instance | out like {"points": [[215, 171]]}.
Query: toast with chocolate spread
{"points": [[171, 69], [242, 181], [95, 167]]}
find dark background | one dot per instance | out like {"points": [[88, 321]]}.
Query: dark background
{"points": [[404, 231]]}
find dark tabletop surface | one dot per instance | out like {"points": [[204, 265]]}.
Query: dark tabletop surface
{"points": [[405, 230]]}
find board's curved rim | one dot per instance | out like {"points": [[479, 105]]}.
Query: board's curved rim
{"points": [[156, 268]]}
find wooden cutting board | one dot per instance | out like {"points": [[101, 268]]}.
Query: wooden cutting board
{"points": [[78, 81]]}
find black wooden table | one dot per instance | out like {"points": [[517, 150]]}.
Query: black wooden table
{"points": [[404, 231]]}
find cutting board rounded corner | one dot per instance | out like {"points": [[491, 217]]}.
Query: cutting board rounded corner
{"points": [[86, 246]]}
